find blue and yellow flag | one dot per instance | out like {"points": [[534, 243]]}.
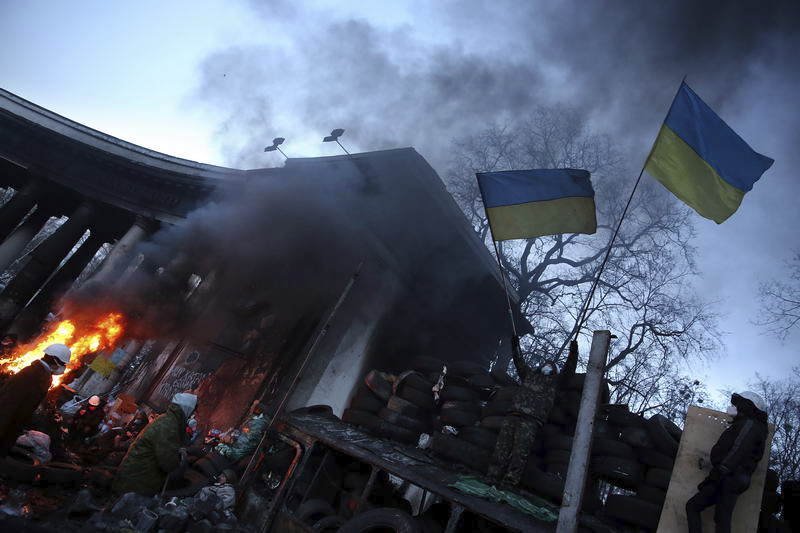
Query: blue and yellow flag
{"points": [[523, 204], [702, 160]]}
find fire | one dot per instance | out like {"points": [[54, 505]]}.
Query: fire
{"points": [[82, 336]]}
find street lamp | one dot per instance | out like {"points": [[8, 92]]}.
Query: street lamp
{"points": [[276, 142], [334, 136]]}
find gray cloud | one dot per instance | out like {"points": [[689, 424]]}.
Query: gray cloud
{"points": [[459, 66]]}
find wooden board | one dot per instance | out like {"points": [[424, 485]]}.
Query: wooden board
{"points": [[703, 428]]}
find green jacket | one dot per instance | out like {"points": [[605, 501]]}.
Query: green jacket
{"points": [[253, 430], [153, 455]]}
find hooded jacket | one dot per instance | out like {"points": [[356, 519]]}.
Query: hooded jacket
{"points": [[740, 447], [20, 396], [153, 455]]}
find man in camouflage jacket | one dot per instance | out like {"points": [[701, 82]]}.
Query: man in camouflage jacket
{"points": [[530, 408]]}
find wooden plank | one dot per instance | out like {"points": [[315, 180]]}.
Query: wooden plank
{"points": [[701, 431]]}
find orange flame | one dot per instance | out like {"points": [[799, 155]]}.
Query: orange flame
{"points": [[82, 339]]}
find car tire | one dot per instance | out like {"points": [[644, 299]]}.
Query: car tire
{"points": [[454, 449], [558, 442], [612, 448], [366, 400], [329, 524], [619, 415], [363, 419], [456, 393], [543, 484], [558, 416], [427, 365], [378, 385], [557, 457], [624, 473], [652, 494], [497, 407], [492, 422], [655, 459], [458, 417], [461, 405], [658, 477], [412, 424], [662, 432], [405, 407], [423, 400], [314, 510], [466, 369], [479, 436], [414, 379], [637, 437], [633, 510], [482, 381], [382, 519]]}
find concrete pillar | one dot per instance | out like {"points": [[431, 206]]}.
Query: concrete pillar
{"points": [[29, 319], [117, 258], [15, 209], [15, 244], [41, 262]]}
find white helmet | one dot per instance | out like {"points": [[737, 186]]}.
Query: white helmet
{"points": [[94, 400], [757, 400], [60, 352]]}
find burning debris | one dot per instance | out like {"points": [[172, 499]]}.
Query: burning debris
{"points": [[85, 335]]}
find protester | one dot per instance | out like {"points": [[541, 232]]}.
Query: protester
{"points": [[734, 458], [530, 407], [157, 454], [131, 430], [24, 391], [246, 441], [86, 422]]}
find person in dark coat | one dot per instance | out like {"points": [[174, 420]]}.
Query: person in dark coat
{"points": [[24, 391], [530, 408], [158, 452], [734, 458]]}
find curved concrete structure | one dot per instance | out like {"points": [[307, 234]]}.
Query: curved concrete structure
{"points": [[428, 284]]}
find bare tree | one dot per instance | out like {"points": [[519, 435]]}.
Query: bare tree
{"points": [[780, 302], [645, 294], [783, 408]]}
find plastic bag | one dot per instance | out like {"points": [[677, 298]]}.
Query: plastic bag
{"points": [[37, 443]]}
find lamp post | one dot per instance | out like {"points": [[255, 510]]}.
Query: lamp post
{"points": [[276, 142], [334, 136]]}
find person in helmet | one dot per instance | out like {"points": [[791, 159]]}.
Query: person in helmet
{"points": [[530, 408], [24, 391], [86, 422], [158, 452], [734, 458]]}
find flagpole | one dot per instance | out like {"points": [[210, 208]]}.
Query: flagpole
{"points": [[585, 306], [505, 285]]}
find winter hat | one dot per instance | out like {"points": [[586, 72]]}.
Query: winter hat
{"points": [[186, 401], [757, 400]]}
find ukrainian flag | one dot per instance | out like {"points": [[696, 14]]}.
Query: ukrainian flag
{"points": [[702, 160], [523, 204]]}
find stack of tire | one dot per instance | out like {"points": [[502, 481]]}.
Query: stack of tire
{"points": [[645, 469], [395, 407], [467, 387], [547, 467]]}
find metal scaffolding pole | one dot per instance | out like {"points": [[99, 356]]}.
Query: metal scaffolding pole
{"points": [[584, 428]]}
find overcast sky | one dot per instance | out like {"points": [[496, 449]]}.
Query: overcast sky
{"points": [[215, 81]]}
